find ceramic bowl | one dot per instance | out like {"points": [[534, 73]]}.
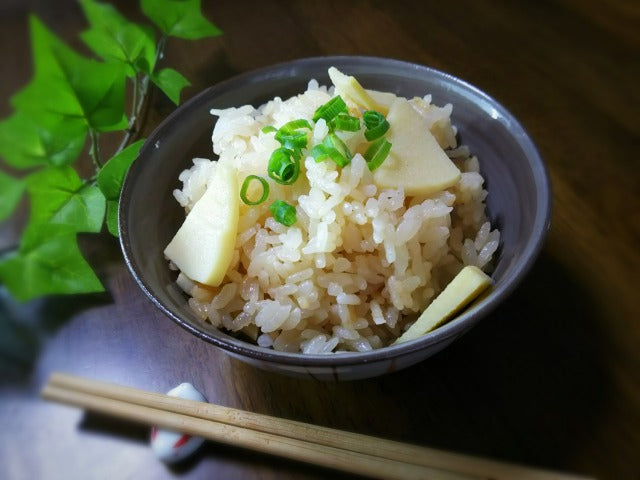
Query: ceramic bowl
{"points": [[519, 200]]}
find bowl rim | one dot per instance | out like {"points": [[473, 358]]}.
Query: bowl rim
{"points": [[455, 327]]}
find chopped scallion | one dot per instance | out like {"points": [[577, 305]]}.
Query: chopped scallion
{"points": [[331, 109], [334, 141], [345, 122], [320, 153], [375, 125], [245, 187], [337, 150], [269, 129], [377, 153], [292, 140], [284, 166], [291, 136], [283, 213], [372, 118], [297, 125]]}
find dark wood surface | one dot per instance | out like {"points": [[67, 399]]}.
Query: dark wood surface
{"points": [[551, 379]]}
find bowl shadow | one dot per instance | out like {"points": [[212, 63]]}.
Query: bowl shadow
{"points": [[527, 385]]}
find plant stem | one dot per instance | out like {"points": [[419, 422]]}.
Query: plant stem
{"points": [[134, 99], [134, 115], [140, 96], [94, 150], [160, 48]]}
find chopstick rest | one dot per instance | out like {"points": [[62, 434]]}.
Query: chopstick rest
{"points": [[170, 446]]}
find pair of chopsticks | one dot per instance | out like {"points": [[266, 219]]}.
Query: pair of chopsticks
{"points": [[316, 445]]}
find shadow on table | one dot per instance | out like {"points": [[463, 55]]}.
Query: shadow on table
{"points": [[24, 327], [526, 385]]}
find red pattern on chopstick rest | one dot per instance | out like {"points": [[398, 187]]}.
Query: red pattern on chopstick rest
{"points": [[154, 433], [181, 441]]}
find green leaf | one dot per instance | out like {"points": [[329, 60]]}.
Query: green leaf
{"points": [[171, 83], [110, 179], [59, 196], [179, 18], [37, 101], [111, 176], [112, 217], [25, 144], [11, 190], [67, 85], [113, 37], [48, 262], [141, 64]]}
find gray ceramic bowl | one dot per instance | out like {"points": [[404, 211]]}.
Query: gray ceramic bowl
{"points": [[518, 202]]}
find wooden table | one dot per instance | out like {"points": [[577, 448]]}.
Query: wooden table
{"points": [[551, 379]]}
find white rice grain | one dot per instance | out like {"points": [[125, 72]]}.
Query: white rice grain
{"points": [[360, 262]]}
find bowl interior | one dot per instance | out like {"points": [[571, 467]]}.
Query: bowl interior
{"points": [[518, 201]]}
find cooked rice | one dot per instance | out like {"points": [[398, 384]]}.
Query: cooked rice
{"points": [[360, 263]]}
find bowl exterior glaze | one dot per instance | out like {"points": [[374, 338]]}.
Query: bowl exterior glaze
{"points": [[519, 200]]}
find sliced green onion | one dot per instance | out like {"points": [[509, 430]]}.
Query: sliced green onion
{"points": [[292, 140], [269, 129], [375, 123], [331, 109], [345, 122], [245, 187], [283, 213], [376, 132], [284, 166], [320, 153], [338, 158], [377, 153], [290, 136], [297, 154], [297, 125], [372, 118], [337, 150]]}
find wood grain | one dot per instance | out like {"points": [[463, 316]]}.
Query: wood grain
{"points": [[352, 452], [551, 379]]}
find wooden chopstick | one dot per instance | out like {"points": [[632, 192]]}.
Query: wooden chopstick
{"points": [[346, 451], [344, 460]]}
